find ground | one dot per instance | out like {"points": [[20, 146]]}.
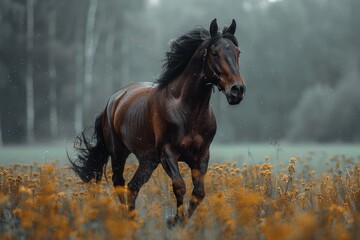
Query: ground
{"points": [[270, 191]]}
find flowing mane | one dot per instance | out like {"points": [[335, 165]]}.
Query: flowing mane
{"points": [[183, 48]]}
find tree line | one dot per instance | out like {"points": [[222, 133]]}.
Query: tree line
{"points": [[61, 60], [49, 50]]}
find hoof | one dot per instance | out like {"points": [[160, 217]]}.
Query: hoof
{"points": [[174, 221], [133, 214]]}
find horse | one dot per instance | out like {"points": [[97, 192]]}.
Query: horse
{"points": [[167, 121]]}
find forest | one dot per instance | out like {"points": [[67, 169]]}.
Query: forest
{"points": [[61, 60]]}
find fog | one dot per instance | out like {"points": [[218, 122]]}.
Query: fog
{"points": [[61, 60]]}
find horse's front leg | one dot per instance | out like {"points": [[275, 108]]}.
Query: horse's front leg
{"points": [[198, 171], [169, 161]]}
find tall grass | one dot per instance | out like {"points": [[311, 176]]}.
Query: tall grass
{"points": [[286, 201]]}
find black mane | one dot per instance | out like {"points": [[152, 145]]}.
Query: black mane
{"points": [[183, 48]]}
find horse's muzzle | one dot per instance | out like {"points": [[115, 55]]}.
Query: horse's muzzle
{"points": [[236, 94]]}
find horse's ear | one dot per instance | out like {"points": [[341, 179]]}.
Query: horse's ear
{"points": [[213, 28], [231, 29]]}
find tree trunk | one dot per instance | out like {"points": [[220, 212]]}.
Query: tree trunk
{"points": [[89, 53], [1, 139], [52, 75], [125, 66], [30, 106], [78, 110], [109, 51]]}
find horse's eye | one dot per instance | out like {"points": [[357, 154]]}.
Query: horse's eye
{"points": [[214, 53]]}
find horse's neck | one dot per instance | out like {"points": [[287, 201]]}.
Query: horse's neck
{"points": [[194, 90]]}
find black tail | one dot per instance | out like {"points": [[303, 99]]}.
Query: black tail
{"points": [[92, 158]]}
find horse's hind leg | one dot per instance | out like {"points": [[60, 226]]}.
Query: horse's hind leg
{"points": [[141, 176], [118, 160]]}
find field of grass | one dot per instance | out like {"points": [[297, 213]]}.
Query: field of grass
{"points": [[219, 153], [253, 192]]}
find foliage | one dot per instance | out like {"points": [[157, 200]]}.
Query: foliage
{"points": [[328, 114], [288, 47], [264, 201]]}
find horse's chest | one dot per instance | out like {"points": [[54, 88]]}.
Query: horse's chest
{"points": [[189, 134], [191, 143]]}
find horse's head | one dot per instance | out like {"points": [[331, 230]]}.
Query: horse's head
{"points": [[222, 55]]}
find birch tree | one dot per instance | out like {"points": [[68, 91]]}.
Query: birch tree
{"points": [[78, 110], [91, 40], [79, 61], [1, 141], [52, 72], [109, 56], [30, 106]]}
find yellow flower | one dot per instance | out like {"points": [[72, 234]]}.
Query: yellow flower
{"points": [[291, 168], [293, 160]]}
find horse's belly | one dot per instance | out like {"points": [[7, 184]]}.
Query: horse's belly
{"points": [[141, 143], [136, 129]]}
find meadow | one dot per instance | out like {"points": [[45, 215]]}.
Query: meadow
{"points": [[272, 192]]}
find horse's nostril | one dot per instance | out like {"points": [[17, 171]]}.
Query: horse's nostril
{"points": [[234, 91], [237, 90]]}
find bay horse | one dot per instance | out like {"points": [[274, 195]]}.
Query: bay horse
{"points": [[168, 121]]}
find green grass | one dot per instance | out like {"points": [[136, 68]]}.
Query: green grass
{"points": [[281, 152], [316, 155], [241, 153], [43, 153]]}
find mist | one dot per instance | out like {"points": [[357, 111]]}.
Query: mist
{"points": [[61, 60]]}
